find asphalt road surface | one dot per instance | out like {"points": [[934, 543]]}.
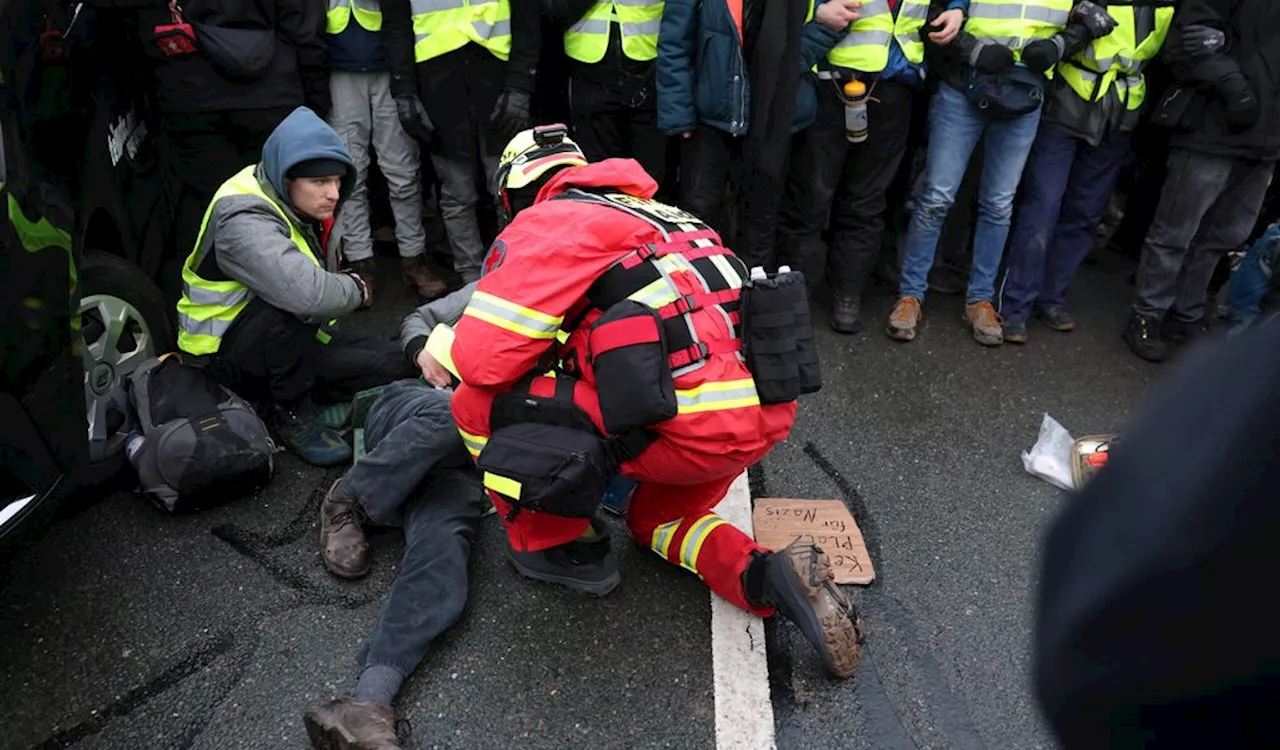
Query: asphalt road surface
{"points": [[125, 628]]}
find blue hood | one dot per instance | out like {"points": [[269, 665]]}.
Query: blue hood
{"points": [[299, 137]]}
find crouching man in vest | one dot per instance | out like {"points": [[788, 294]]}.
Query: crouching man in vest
{"points": [[258, 305], [603, 336]]}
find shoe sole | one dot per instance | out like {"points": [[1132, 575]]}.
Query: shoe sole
{"points": [[846, 329], [326, 736], [986, 339], [600, 588], [901, 334], [339, 572], [1019, 340], [1068, 328], [1158, 359], [842, 650]]}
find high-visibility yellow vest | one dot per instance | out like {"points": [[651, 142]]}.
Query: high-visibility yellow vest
{"points": [[1015, 23], [1118, 59], [588, 39], [367, 12], [442, 26], [865, 45], [208, 308]]}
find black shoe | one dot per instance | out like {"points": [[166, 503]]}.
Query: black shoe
{"points": [[1181, 332], [1143, 337], [1056, 318], [1015, 333], [846, 314], [586, 565], [798, 582]]}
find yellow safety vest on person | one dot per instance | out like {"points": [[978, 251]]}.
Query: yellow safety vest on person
{"points": [[208, 308], [588, 39], [442, 26], [1118, 59], [865, 45], [367, 12], [1015, 23]]}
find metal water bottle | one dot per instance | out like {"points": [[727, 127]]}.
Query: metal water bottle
{"points": [[855, 111]]}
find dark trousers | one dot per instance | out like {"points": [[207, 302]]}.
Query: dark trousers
{"points": [[618, 120], [1065, 190], [848, 182], [270, 355], [203, 150], [416, 476], [1208, 206], [720, 185]]}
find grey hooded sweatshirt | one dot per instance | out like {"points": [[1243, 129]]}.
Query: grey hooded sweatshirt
{"points": [[248, 241]]}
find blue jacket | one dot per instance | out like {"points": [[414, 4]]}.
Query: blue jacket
{"points": [[355, 48], [702, 75]]}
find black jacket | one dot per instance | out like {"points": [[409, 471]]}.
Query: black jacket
{"points": [[1253, 49], [297, 74], [522, 66], [615, 66]]}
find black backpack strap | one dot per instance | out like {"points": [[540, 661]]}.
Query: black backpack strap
{"points": [[627, 446]]}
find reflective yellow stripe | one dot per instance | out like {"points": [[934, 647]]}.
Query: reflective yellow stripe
{"points": [[656, 293], [693, 540], [662, 537], [474, 443], [730, 394], [512, 317], [502, 485]]}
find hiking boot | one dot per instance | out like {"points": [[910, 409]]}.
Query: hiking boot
{"points": [[424, 281], [1055, 318], [1181, 332], [1143, 337], [1015, 333], [302, 431], [588, 565], [985, 322], [846, 314], [343, 546], [349, 724], [904, 319], [799, 583], [367, 270]]}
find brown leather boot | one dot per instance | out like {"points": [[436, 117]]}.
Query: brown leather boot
{"points": [[367, 270], [424, 281], [349, 724], [343, 546]]}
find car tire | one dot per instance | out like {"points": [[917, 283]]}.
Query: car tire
{"points": [[123, 323]]}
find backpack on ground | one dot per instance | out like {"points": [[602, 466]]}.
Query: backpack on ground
{"points": [[201, 444]]}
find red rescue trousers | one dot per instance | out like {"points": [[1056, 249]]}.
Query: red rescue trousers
{"points": [[670, 511]]}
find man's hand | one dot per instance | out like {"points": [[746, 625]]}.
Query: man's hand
{"points": [[1094, 18], [414, 119], [1199, 40], [432, 371], [511, 113], [1243, 110], [948, 25], [838, 14]]}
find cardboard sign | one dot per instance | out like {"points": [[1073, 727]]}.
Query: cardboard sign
{"points": [[824, 523]]}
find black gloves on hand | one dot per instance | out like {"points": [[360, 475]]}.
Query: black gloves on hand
{"points": [[1093, 17], [1243, 110], [1043, 54], [993, 58], [1199, 40], [414, 119], [511, 113]]}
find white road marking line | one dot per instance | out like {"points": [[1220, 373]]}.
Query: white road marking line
{"points": [[744, 710]]}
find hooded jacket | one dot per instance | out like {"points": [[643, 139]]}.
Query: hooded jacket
{"points": [[248, 241]]}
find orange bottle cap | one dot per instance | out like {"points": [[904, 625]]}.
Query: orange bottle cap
{"points": [[855, 88]]}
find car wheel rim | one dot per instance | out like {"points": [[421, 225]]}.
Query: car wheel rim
{"points": [[117, 340]]}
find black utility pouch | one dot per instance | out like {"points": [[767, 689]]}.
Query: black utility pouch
{"points": [[546, 468], [777, 334], [633, 375]]}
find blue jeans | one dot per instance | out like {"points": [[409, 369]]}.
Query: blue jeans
{"points": [[1254, 278], [417, 476], [1064, 192], [955, 127]]}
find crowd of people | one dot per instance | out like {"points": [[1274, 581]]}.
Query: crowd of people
{"points": [[603, 336]]}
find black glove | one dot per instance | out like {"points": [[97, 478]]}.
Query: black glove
{"points": [[992, 58], [1093, 17], [414, 119], [1043, 54], [511, 113], [1243, 110], [1199, 40]]}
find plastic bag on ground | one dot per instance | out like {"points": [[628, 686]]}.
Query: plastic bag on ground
{"points": [[1050, 457]]}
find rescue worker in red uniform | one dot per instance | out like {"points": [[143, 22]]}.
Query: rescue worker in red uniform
{"points": [[584, 241]]}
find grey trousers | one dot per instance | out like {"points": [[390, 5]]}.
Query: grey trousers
{"points": [[459, 196], [417, 475], [1208, 206], [364, 115]]}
